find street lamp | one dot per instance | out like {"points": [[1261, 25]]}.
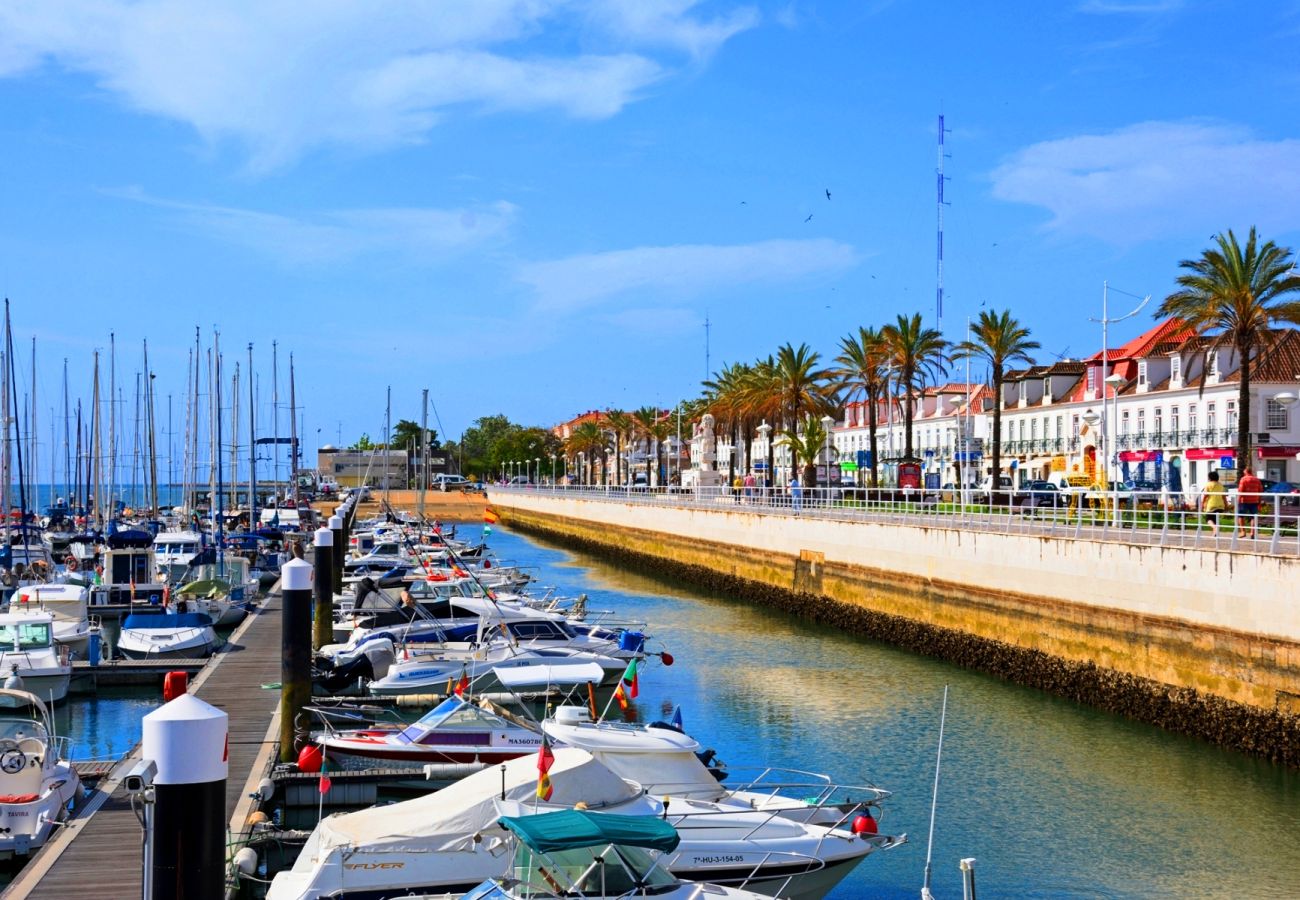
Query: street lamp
{"points": [[1111, 435], [828, 423], [765, 432], [582, 458]]}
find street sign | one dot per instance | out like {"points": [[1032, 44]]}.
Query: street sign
{"points": [[1227, 462], [864, 459]]}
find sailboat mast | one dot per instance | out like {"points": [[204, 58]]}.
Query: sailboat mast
{"points": [[112, 421], [234, 437], [32, 432], [149, 430], [67, 442], [18, 440], [275, 414], [218, 504], [252, 446], [96, 449], [293, 435]]}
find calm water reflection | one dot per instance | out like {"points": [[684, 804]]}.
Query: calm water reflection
{"points": [[1053, 799]]}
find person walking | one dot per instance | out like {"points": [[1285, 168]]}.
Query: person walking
{"points": [[1214, 501], [750, 482], [796, 494], [1249, 487]]}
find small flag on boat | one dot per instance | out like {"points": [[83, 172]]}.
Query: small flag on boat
{"points": [[676, 720], [620, 694], [490, 516], [630, 680], [325, 781], [545, 758], [463, 684]]}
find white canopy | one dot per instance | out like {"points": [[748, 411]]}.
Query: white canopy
{"points": [[540, 675], [448, 819]]}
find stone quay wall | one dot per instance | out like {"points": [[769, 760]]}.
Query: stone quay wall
{"points": [[1201, 642]]}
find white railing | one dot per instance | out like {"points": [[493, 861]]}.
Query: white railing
{"points": [[1148, 518]]}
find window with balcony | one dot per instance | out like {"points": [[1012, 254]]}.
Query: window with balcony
{"points": [[1022, 429], [1123, 422], [1074, 425], [1232, 414], [1275, 417], [1211, 415], [1060, 420], [1033, 429], [1191, 417], [1141, 422], [1157, 421]]}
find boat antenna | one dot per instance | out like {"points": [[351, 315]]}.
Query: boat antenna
{"points": [[934, 799]]}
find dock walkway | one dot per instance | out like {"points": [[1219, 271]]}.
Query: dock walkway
{"points": [[99, 851]]}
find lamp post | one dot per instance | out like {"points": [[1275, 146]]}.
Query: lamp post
{"points": [[765, 432], [1114, 380], [828, 423], [1286, 400], [582, 459]]}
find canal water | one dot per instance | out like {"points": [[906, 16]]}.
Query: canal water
{"points": [[1054, 800]]}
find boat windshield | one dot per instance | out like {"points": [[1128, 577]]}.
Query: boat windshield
{"points": [[609, 871], [453, 713], [17, 729], [25, 635]]}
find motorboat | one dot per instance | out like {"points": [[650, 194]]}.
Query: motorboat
{"points": [[224, 582], [460, 734], [576, 853], [66, 602], [155, 635], [29, 660], [130, 573], [173, 551], [497, 667], [448, 841], [37, 783], [667, 762]]}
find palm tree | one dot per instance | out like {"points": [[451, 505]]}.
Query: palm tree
{"points": [[724, 398], [863, 372], [763, 397], [803, 388], [587, 439], [805, 444], [645, 420], [998, 339], [622, 425], [1234, 295], [917, 356]]}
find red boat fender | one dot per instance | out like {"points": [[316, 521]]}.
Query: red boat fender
{"points": [[175, 684], [309, 759], [864, 824]]}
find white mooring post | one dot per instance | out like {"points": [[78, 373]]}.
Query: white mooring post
{"points": [[187, 741]]}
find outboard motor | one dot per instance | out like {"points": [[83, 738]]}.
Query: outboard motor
{"points": [[345, 675]]}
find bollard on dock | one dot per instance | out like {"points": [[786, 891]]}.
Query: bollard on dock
{"points": [[323, 618], [295, 651]]}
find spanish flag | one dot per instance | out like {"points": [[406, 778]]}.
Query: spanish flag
{"points": [[490, 516], [545, 758]]}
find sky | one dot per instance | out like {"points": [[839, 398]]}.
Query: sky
{"points": [[533, 207]]}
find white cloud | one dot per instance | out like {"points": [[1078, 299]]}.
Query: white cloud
{"points": [[280, 77], [420, 234], [1157, 179], [578, 282]]}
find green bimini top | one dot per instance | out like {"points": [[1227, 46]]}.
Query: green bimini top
{"points": [[572, 829]]}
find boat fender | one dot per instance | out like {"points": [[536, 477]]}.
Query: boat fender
{"points": [[175, 684], [309, 759], [246, 861], [864, 824]]}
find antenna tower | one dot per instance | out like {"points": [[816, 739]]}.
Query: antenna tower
{"points": [[707, 325], [940, 204]]}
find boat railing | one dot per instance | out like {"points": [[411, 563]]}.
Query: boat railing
{"points": [[775, 782], [809, 864]]}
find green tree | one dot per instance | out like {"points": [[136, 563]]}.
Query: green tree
{"points": [[589, 440], [477, 443], [406, 434], [806, 444], [998, 340], [805, 389], [623, 426], [1234, 294], [917, 356], [530, 446], [862, 372], [364, 444]]}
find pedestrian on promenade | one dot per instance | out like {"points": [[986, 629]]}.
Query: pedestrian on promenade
{"points": [[1214, 501], [1248, 490], [736, 485], [749, 487], [796, 494]]}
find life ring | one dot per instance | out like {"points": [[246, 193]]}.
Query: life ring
{"points": [[71, 563]]}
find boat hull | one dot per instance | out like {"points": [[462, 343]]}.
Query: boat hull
{"points": [[145, 646], [50, 687]]}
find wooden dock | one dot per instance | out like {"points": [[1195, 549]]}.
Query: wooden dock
{"points": [[99, 851], [87, 679]]}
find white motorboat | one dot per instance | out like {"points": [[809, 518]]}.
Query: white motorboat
{"points": [[173, 551], [449, 841], [37, 783], [27, 651], [667, 762], [167, 635], [598, 856], [527, 670], [66, 602]]}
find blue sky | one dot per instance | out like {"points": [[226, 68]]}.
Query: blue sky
{"points": [[530, 206]]}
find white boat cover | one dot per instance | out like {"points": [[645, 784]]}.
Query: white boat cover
{"points": [[540, 675], [448, 819]]}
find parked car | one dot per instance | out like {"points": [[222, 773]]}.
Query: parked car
{"points": [[520, 479], [1138, 493], [446, 483], [983, 493], [1035, 494]]}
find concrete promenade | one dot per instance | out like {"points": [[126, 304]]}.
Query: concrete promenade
{"points": [[1140, 620]]}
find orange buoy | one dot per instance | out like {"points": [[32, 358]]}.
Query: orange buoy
{"points": [[175, 684], [309, 759]]}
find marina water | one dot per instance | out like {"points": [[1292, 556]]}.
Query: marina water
{"points": [[1053, 799]]}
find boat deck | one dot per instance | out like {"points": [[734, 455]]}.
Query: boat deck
{"points": [[98, 852]]}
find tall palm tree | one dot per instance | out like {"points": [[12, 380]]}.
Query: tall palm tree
{"points": [[862, 372], [587, 439], [804, 389], [763, 395], [622, 425], [997, 339], [644, 420], [917, 356], [806, 444], [724, 394], [1234, 295]]}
